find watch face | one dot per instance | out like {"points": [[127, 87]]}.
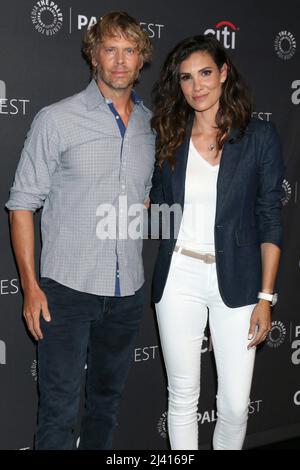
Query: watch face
{"points": [[275, 298]]}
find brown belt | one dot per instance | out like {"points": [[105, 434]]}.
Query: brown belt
{"points": [[206, 257]]}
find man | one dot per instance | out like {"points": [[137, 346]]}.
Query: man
{"points": [[83, 154]]}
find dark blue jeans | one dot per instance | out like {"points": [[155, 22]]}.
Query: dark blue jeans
{"points": [[85, 328]]}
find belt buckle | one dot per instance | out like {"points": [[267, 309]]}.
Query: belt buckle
{"points": [[209, 258]]}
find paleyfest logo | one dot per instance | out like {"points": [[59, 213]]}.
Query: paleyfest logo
{"points": [[154, 30], [11, 106], [47, 17]]}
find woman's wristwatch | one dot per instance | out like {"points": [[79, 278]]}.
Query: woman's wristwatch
{"points": [[272, 298]]}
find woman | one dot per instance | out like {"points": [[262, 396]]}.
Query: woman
{"points": [[224, 170]]}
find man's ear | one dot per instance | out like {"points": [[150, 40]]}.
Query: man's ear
{"points": [[141, 63], [93, 56]]}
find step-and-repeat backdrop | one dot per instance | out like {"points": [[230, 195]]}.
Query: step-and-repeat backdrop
{"points": [[40, 63]]}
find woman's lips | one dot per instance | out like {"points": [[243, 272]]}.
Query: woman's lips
{"points": [[200, 97]]}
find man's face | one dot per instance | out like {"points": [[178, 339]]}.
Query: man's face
{"points": [[118, 62]]}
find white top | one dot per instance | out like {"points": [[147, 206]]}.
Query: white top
{"points": [[197, 226]]}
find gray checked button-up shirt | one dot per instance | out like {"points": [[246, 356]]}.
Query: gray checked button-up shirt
{"points": [[75, 160]]}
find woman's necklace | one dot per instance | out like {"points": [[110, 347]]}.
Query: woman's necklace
{"points": [[211, 147]]}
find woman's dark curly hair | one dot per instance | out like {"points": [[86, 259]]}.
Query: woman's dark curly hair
{"points": [[172, 112]]}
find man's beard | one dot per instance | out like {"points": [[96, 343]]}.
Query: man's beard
{"points": [[112, 83]]}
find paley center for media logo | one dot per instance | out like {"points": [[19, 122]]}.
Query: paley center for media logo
{"points": [[11, 106], [285, 45], [225, 32], [47, 17], [277, 335], [287, 192]]}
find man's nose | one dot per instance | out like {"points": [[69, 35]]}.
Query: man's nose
{"points": [[120, 57]]}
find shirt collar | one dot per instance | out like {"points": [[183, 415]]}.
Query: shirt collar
{"points": [[94, 97]]}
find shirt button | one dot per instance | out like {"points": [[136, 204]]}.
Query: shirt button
{"points": [[117, 117]]}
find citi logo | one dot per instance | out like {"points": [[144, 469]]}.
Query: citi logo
{"points": [[225, 32], [2, 353]]}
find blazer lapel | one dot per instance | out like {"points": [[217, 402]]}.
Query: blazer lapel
{"points": [[179, 173], [230, 159]]}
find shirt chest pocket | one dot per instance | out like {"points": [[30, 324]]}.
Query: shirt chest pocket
{"points": [[93, 159]]}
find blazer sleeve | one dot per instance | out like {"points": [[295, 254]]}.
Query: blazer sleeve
{"points": [[156, 193], [270, 191], [156, 199]]}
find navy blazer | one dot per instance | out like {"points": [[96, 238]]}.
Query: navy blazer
{"points": [[248, 210]]}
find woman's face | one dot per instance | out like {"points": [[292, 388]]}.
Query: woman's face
{"points": [[201, 81]]}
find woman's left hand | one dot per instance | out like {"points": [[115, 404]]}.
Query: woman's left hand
{"points": [[260, 324]]}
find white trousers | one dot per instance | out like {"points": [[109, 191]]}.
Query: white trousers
{"points": [[182, 313]]}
